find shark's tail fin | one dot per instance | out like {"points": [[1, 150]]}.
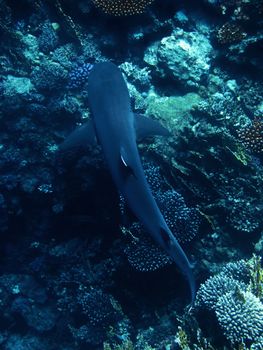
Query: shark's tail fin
{"points": [[173, 248]]}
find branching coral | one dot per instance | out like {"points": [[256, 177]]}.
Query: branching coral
{"points": [[216, 286], [240, 314], [234, 295]]}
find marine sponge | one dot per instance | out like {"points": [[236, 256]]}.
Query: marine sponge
{"points": [[122, 7], [240, 314]]}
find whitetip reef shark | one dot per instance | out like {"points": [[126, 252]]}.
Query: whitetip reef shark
{"points": [[116, 127]]}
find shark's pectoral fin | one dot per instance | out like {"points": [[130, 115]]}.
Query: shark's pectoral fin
{"points": [[145, 127], [81, 137], [125, 168]]}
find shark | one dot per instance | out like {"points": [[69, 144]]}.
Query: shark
{"points": [[116, 128]]}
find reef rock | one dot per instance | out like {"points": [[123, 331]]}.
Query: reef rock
{"points": [[185, 56]]}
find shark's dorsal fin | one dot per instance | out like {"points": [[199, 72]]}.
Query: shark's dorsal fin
{"points": [[125, 167], [81, 137], [145, 127]]}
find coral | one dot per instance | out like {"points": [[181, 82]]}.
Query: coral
{"points": [[122, 7], [194, 341], [100, 313], [16, 86], [209, 292], [243, 215], [258, 345], [230, 33], [79, 75], [174, 110], [259, 245], [222, 105], [92, 51], [183, 221], [25, 342], [240, 314], [100, 308], [48, 75], [256, 276], [251, 96], [65, 55], [242, 35], [24, 285], [30, 48], [184, 56], [233, 296], [239, 270], [136, 97], [139, 76], [239, 274], [155, 177], [252, 136], [38, 317], [142, 253], [22, 296], [239, 9], [182, 339], [48, 39], [87, 334], [126, 345]]}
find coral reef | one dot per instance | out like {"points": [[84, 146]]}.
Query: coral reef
{"points": [[78, 272]]}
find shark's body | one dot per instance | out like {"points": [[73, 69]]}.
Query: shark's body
{"points": [[115, 128]]}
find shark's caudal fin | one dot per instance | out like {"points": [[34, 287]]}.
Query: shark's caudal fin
{"points": [[85, 135], [175, 251]]}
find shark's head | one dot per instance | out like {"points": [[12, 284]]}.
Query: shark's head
{"points": [[107, 87]]}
